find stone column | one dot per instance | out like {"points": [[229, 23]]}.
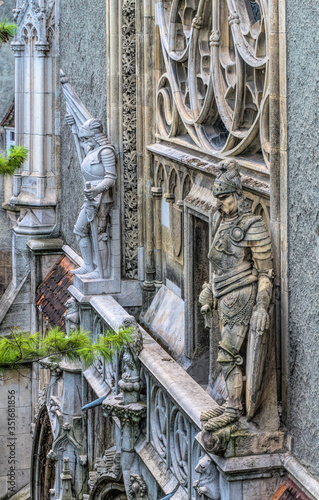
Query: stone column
{"points": [[18, 48], [157, 195], [39, 116], [35, 51]]}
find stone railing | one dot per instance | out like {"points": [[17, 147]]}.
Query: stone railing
{"points": [[158, 407], [168, 445]]}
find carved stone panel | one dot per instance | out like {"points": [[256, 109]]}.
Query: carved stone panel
{"points": [[129, 137]]}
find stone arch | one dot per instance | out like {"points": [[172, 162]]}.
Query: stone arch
{"points": [[159, 175], [173, 184], [187, 186], [42, 468], [106, 489]]}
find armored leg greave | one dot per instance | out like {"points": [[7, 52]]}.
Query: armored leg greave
{"points": [[87, 254]]}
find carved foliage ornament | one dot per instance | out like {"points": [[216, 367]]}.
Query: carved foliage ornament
{"points": [[129, 137], [215, 86]]}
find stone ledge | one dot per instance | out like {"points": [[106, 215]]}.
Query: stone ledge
{"points": [[187, 394], [46, 245], [255, 175], [97, 286], [110, 311]]}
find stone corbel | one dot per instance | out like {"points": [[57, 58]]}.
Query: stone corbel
{"points": [[197, 22], [169, 197], [129, 415], [216, 442], [157, 192]]}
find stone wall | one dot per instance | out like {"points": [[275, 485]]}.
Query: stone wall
{"points": [[15, 431], [83, 59], [6, 98], [303, 159]]}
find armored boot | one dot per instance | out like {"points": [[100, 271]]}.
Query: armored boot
{"points": [[212, 413], [232, 409], [86, 252]]}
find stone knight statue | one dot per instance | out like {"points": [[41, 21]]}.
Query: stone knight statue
{"points": [[98, 166], [241, 290]]}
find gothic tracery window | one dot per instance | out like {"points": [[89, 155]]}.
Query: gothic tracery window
{"points": [[213, 90]]}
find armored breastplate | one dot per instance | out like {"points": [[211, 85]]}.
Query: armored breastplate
{"points": [[92, 167], [230, 258]]}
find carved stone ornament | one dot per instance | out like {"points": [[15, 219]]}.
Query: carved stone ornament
{"points": [[72, 315], [138, 488], [241, 290], [130, 413], [112, 461], [56, 417], [130, 382], [42, 396], [207, 486], [97, 159], [129, 136]]}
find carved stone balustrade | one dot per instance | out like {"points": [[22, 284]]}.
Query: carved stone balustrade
{"points": [[159, 423]]}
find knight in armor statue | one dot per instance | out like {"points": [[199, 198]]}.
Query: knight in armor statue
{"points": [[241, 289], [99, 176]]}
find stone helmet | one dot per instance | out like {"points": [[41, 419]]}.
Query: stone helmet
{"points": [[90, 128], [228, 180]]}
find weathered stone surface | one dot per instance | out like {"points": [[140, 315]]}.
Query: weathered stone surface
{"points": [[303, 159], [15, 437], [165, 317]]}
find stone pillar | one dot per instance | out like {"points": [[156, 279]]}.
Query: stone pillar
{"points": [[39, 116], [157, 195], [35, 51], [18, 48]]}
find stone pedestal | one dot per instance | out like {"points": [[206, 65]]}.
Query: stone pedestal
{"points": [[97, 286]]}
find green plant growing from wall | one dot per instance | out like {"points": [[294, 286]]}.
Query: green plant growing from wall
{"points": [[16, 156], [7, 30], [20, 348]]}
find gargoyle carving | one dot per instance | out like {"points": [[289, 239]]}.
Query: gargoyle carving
{"points": [[208, 483]]}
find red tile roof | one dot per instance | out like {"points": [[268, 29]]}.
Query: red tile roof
{"points": [[53, 292], [8, 119], [289, 491]]}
